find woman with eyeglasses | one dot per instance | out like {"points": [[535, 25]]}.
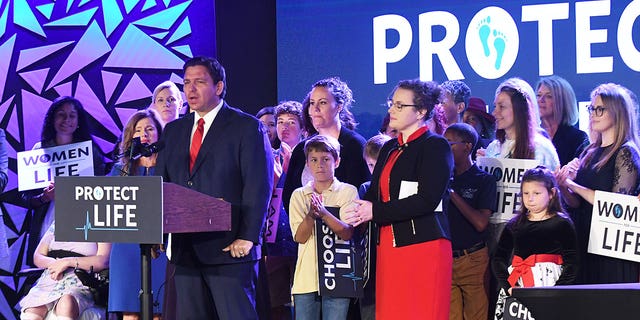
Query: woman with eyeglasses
{"points": [[410, 179], [610, 163], [559, 113]]}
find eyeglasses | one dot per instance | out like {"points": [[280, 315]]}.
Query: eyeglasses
{"points": [[598, 111], [398, 105]]}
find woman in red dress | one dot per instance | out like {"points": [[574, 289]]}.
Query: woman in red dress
{"points": [[413, 275]]}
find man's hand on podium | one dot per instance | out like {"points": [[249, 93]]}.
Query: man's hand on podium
{"points": [[239, 248]]}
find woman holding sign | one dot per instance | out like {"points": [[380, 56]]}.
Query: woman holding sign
{"points": [[66, 122], [410, 179], [124, 267], [517, 136], [610, 163]]}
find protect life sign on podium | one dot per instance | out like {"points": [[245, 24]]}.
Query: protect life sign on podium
{"points": [[109, 209]]}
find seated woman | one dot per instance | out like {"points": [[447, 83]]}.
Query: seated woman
{"points": [[59, 290]]}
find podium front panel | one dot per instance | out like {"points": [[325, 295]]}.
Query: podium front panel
{"points": [[109, 209]]}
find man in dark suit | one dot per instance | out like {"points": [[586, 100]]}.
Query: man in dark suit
{"points": [[216, 272]]}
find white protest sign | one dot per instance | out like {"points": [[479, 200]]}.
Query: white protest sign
{"points": [[508, 174], [615, 230], [37, 168]]}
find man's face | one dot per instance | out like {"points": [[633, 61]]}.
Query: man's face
{"points": [[202, 93]]}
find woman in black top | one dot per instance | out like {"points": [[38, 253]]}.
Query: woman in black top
{"points": [[326, 112], [559, 113]]}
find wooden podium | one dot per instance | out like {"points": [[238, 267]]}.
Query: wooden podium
{"points": [[187, 211], [184, 211]]}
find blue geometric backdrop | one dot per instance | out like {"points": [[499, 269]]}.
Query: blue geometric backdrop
{"points": [[110, 54]]}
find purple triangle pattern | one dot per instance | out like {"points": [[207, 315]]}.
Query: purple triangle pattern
{"points": [[38, 107], [78, 19], [18, 215], [13, 178], [103, 144], [166, 3], [35, 78], [149, 53], [135, 89], [5, 310], [129, 5], [26, 18], [46, 9], [110, 81], [29, 56], [83, 2], [112, 15], [90, 47], [149, 4], [9, 281], [94, 106], [186, 50], [160, 35], [3, 20], [4, 108], [6, 50], [124, 114], [183, 30], [176, 78], [14, 250], [165, 18], [64, 89]]}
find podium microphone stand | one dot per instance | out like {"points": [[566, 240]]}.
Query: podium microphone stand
{"points": [[146, 295]]}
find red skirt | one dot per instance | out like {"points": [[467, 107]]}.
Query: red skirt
{"points": [[413, 282]]}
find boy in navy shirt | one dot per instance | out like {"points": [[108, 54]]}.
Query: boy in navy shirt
{"points": [[472, 200]]}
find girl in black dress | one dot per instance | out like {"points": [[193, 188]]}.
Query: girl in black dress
{"points": [[541, 237]]}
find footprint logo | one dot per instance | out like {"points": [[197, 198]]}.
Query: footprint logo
{"points": [[484, 30], [499, 43], [491, 42]]}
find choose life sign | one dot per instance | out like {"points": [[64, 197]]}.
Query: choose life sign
{"points": [[508, 174], [37, 168], [615, 230]]}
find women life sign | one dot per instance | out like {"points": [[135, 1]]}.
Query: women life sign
{"points": [[37, 168]]}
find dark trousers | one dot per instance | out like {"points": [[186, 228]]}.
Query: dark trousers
{"points": [[217, 292]]}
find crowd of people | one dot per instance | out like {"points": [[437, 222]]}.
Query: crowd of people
{"points": [[414, 190]]}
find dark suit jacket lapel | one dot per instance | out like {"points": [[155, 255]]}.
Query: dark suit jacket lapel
{"points": [[215, 132]]}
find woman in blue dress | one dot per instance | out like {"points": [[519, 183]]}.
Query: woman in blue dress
{"points": [[124, 266]]}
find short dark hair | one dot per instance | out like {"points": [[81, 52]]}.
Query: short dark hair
{"points": [[458, 90], [290, 107], [426, 94], [215, 69], [464, 131], [322, 143], [265, 110]]}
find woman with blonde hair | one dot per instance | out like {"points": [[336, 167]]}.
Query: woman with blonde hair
{"points": [[559, 113], [610, 163], [167, 102]]}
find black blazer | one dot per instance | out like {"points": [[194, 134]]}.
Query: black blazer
{"points": [[235, 164], [428, 161]]}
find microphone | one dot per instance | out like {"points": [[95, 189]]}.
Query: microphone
{"points": [[149, 149]]}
